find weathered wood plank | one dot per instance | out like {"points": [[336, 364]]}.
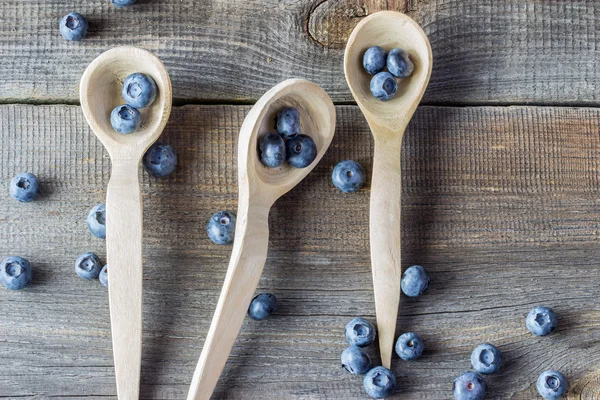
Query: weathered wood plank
{"points": [[500, 204], [486, 52]]}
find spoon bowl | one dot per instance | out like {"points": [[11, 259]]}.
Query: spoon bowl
{"points": [[100, 93], [317, 120], [388, 29], [388, 121], [259, 187]]}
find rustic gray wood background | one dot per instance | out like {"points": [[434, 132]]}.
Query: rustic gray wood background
{"points": [[500, 204]]}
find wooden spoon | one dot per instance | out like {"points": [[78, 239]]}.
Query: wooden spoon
{"points": [[388, 121], [259, 187], [100, 92]]}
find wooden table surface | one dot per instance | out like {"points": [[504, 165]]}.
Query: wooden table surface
{"points": [[500, 198]]}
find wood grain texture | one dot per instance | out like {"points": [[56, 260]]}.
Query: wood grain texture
{"points": [[486, 52], [499, 204]]}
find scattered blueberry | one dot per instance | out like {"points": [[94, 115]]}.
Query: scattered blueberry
{"points": [[96, 221], [221, 227], [272, 150], [103, 277], [139, 90], [409, 346], [360, 332], [541, 321], [383, 86], [486, 359], [262, 306], [414, 281], [551, 385], [15, 273], [160, 160], [125, 119], [288, 122], [399, 63], [24, 187], [348, 176], [73, 26], [356, 361], [469, 386], [301, 151], [88, 266], [380, 383], [374, 60], [123, 3]]}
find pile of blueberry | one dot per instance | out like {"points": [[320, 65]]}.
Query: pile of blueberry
{"points": [[379, 382], [287, 144], [399, 65], [487, 359], [139, 91]]}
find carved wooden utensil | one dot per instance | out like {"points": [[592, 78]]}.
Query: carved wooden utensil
{"points": [[100, 92], [388, 121], [259, 188]]}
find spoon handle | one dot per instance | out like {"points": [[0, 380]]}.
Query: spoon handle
{"points": [[245, 268], [384, 229], [124, 260]]}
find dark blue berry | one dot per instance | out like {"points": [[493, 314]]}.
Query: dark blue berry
{"points": [[160, 160], [356, 361], [360, 332], [221, 227], [301, 151], [409, 346], [272, 150], [125, 119], [486, 359], [24, 187], [374, 60], [469, 386], [262, 306], [383, 86], [414, 281], [96, 221], [88, 266], [379, 383], [551, 385], [139, 90], [288, 122], [103, 277], [123, 3], [348, 176], [15, 273], [541, 321], [73, 26], [399, 63]]}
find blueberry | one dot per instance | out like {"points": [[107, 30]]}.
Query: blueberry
{"points": [[348, 176], [541, 321], [272, 150], [96, 221], [486, 359], [73, 26], [360, 332], [288, 122], [125, 119], [24, 187], [409, 346], [551, 385], [301, 151], [160, 160], [380, 383], [469, 386], [88, 266], [103, 277], [374, 60], [356, 361], [399, 63], [414, 281], [139, 90], [262, 306], [123, 3], [383, 86], [15, 273], [221, 227]]}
